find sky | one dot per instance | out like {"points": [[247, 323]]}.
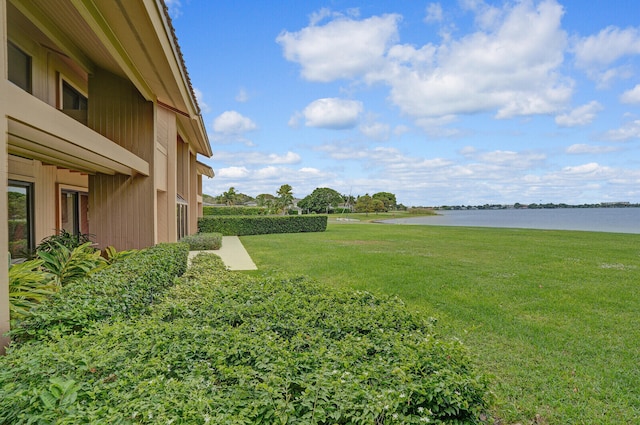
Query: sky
{"points": [[464, 102]]}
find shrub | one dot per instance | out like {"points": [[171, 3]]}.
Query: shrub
{"points": [[227, 349], [208, 210], [64, 238], [240, 226], [127, 289], [68, 265], [203, 241], [28, 287]]}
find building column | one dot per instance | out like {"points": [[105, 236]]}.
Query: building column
{"points": [[4, 237]]}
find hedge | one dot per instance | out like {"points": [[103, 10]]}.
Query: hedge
{"points": [[203, 241], [240, 226], [129, 288], [226, 348], [208, 210]]}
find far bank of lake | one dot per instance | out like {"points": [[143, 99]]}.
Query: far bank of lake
{"points": [[614, 220]]}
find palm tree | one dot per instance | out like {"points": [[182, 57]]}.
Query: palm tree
{"points": [[285, 197], [229, 197]]}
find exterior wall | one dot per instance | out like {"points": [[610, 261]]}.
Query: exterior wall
{"points": [[126, 150], [4, 237], [47, 180], [193, 194], [122, 208], [166, 180]]}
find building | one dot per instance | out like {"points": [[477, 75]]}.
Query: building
{"points": [[99, 127]]}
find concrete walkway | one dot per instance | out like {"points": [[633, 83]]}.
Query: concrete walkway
{"points": [[233, 254]]}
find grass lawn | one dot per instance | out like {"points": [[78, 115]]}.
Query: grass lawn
{"points": [[552, 316]]}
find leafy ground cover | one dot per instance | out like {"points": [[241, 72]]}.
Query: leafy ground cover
{"points": [[552, 316], [223, 348]]}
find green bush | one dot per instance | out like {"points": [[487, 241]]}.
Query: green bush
{"points": [[68, 265], [126, 289], [208, 210], [203, 241], [29, 285], [240, 226], [227, 349]]}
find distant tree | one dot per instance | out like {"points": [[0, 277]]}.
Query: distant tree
{"points": [[229, 197], [378, 205], [349, 200], [364, 204], [320, 200], [285, 197], [208, 199], [388, 199], [265, 199], [242, 198]]}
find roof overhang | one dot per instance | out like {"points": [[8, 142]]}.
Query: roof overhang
{"points": [[204, 170], [133, 39], [39, 131]]}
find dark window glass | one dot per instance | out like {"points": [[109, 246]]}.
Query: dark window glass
{"points": [[74, 210], [19, 67], [72, 98]]}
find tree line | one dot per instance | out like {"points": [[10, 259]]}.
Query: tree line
{"points": [[323, 200]]}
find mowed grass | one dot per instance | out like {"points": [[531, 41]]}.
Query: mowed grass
{"points": [[552, 316]]}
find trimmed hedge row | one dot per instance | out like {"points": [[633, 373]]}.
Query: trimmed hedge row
{"points": [[241, 226], [208, 210], [203, 241], [129, 288], [225, 348]]}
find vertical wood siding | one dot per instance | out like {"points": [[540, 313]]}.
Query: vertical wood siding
{"points": [[122, 208], [193, 194]]}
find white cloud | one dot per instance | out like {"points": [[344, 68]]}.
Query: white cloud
{"points": [[242, 95], [606, 47], [580, 148], [511, 66], [342, 48], [631, 96], [253, 157], [376, 131], [434, 13], [232, 172], [596, 54], [332, 113], [200, 99], [174, 7], [630, 130], [581, 115], [590, 168], [231, 126]]}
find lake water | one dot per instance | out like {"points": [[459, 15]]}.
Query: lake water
{"points": [[616, 220]]}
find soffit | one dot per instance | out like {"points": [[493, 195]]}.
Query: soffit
{"points": [[131, 39], [58, 26]]}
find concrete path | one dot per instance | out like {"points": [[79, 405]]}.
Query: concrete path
{"points": [[233, 254]]}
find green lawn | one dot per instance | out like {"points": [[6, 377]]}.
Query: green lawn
{"points": [[552, 316]]}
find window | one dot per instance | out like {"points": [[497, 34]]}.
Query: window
{"points": [[72, 98], [74, 211], [183, 230], [20, 213], [19, 67]]}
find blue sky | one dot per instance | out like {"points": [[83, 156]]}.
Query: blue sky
{"points": [[453, 102]]}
